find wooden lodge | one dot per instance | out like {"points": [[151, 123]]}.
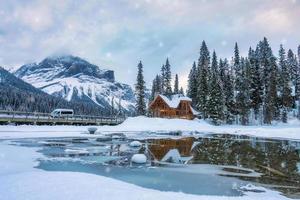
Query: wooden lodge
{"points": [[176, 106]]}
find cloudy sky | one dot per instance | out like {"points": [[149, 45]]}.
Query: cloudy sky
{"points": [[116, 34]]}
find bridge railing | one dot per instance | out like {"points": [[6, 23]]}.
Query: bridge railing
{"points": [[46, 116]]}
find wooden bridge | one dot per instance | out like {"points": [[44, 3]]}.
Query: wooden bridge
{"points": [[16, 117]]}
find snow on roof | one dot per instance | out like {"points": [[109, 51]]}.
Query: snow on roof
{"points": [[194, 111], [174, 100]]}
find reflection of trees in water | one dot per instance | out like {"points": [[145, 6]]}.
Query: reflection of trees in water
{"points": [[247, 153]]}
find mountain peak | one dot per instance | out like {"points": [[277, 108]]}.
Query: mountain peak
{"points": [[64, 58], [61, 66]]}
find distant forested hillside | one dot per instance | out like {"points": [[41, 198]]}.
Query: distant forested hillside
{"points": [[18, 95]]}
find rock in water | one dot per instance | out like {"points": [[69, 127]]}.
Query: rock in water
{"points": [[135, 144], [139, 158], [92, 130]]}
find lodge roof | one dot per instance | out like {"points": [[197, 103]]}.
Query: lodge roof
{"points": [[174, 100]]}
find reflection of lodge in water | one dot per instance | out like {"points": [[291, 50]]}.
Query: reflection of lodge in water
{"points": [[160, 147]]}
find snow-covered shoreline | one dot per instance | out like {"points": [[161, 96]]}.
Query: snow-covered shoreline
{"points": [[135, 125]]}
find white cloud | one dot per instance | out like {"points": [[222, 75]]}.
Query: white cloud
{"points": [[273, 20], [37, 17], [117, 34]]}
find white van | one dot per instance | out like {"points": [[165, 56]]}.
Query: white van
{"points": [[62, 113]]}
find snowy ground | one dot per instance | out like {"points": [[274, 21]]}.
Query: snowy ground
{"points": [[20, 180], [133, 126]]}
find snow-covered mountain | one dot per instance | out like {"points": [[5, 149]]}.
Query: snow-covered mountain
{"points": [[75, 79]]}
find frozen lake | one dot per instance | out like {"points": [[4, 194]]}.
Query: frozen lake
{"points": [[222, 164]]}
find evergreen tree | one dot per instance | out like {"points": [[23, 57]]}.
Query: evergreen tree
{"points": [[156, 87], [297, 89], [286, 92], [243, 95], [167, 78], [163, 79], [202, 80], [153, 90], [256, 87], [292, 66], [222, 72], [265, 56], [271, 103], [176, 85], [228, 87], [181, 91], [215, 107], [238, 79], [159, 84], [140, 91], [237, 68], [192, 84]]}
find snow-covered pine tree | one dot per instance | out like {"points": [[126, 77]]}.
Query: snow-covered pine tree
{"points": [[222, 72], [215, 104], [237, 67], [228, 88], [140, 91], [192, 84], [181, 91], [265, 56], [153, 90], [292, 66], [271, 98], [243, 95], [159, 84], [202, 80], [168, 78], [286, 92], [156, 87], [163, 79], [176, 85], [297, 89], [256, 87]]}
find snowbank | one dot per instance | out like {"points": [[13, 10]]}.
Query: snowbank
{"points": [[20, 180], [135, 125]]}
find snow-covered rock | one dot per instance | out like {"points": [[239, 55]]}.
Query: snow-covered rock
{"points": [[92, 130], [75, 79], [139, 158], [135, 144], [252, 188], [76, 151]]}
